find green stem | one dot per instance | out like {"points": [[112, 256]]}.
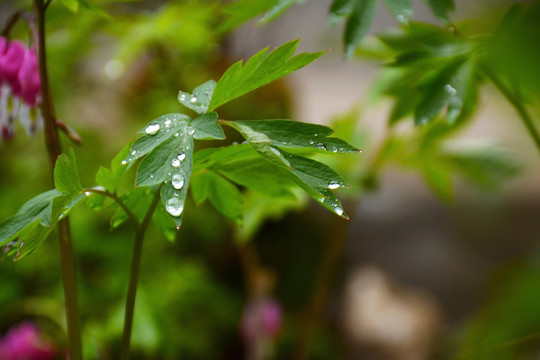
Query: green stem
{"points": [[134, 278], [53, 150], [517, 104], [120, 203]]}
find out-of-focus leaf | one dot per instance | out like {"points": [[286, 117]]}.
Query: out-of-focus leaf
{"points": [[402, 9], [358, 24], [438, 177], [291, 134], [441, 8], [66, 178], [261, 69], [241, 11], [224, 195], [72, 5], [207, 128], [279, 8], [200, 99], [110, 178]]}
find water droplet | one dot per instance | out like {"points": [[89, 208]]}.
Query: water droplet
{"points": [[134, 152], [191, 131], [124, 162], [177, 181], [333, 185], [338, 210], [167, 122], [181, 156], [151, 176], [450, 89], [311, 142], [87, 193], [178, 228], [175, 162], [152, 129], [174, 207], [193, 99], [320, 146], [176, 134], [182, 97], [402, 19], [334, 150]]}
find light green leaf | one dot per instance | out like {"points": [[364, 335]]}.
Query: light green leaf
{"points": [[72, 5], [241, 11], [110, 178], [200, 99], [66, 178], [155, 133], [358, 24], [438, 177], [259, 70], [224, 195], [291, 134], [207, 128], [105, 178], [402, 9]]}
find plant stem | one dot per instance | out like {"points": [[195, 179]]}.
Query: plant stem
{"points": [[325, 274], [134, 278], [120, 203], [517, 104], [53, 149]]}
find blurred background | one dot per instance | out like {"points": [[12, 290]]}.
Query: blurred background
{"points": [[415, 274]]}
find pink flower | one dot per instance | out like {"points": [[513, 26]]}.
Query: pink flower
{"points": [[261, 319], [28, 78], [24, 342], [10, 63]]}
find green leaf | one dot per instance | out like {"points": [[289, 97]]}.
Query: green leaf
{"points": [[105, 178], [358, 24], [441, 8], [341, 9], [291, 134], [66, 178], [162, 219], [156, 133], [200, 99], [258, 175], [438, 177], [224, 195], [241, 11], [24, 231], [402, 9], [312, 176], [72, 5], [110, 178], [207, 128], [280, 7], [259, 70]]}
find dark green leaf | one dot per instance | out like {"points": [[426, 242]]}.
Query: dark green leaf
{"points": [[200, 99], [207, 128], [259, 70], [402, 9], [358, 24], [224, 195], [291, 134], [163, 221], [66, 178], [341, 9]]}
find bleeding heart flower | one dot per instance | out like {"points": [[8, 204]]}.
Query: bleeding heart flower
{"points": [[261, 318], [10, 63], [25, 342], [28, 78]]}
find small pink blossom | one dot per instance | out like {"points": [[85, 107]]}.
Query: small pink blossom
{"points": [[24, 342], [261, 318]]}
